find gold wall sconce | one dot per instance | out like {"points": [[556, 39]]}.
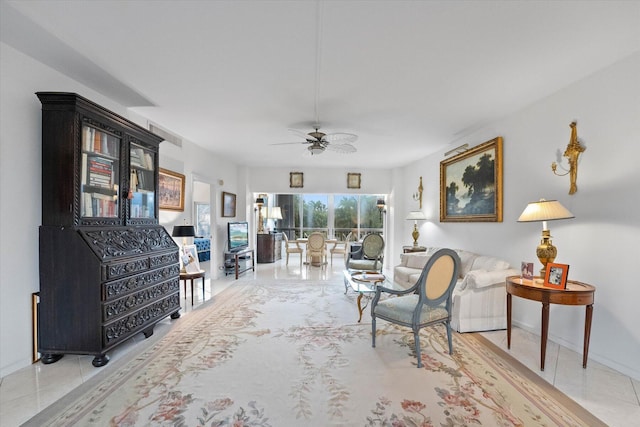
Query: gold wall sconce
{"points": [[572, 152], [417, 196]]}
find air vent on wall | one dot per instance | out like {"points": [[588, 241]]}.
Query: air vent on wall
{"points": [[168, 136]]}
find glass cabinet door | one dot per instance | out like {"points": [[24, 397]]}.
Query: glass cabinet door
{"points": [[99, 174], [143, 185]]}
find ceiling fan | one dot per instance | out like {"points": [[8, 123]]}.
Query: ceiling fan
{"points": [[317, 141]]}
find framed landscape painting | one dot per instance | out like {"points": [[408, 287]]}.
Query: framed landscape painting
{"points": [[471, 184]]}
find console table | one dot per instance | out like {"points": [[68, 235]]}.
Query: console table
{"points": [[269, 247], [576, 293], [239, 261], [409, 249]]}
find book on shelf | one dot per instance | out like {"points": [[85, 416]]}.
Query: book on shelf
{"points": [[96, 141]]}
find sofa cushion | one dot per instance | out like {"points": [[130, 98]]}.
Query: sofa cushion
{"points": [[418, 260], [489, 263], [477, 279], [466, 261], [403, 274]]}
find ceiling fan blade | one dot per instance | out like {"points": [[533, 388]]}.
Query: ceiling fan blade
{"points": [[341, 138], [301, 134], [289, 143], [342, 148]]}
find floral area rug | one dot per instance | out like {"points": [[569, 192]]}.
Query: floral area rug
{"points": [[285, 353]]}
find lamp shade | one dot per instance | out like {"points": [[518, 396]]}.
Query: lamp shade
{"points": [[416, 216], [183, 231], [259, 201], [276, 213], [545, 210]]}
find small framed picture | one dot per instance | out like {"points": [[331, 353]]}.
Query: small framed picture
{"points": [[296, 180], [228, 205], [527, 270], [189, 259], [556, 275], [353, 180]]}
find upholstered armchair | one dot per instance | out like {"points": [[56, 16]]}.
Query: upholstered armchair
{"points": [[341, 247], [291, 248], [369, 256], [426, 303], [316, 249]]}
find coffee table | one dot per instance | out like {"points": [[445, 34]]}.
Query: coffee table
{"points": [[365, 283]]}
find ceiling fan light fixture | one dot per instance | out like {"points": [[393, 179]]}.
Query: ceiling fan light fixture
{"points": [[315, 149]]}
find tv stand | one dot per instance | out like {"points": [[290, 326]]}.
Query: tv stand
{"points": [[239, 261]]}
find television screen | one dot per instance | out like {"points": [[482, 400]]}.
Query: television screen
{"points": [[237, 235]]}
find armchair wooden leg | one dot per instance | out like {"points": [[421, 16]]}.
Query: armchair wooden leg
{"points": [[416, 337], [373, 332]]}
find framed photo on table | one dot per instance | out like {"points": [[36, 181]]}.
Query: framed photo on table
{"points": [[556, 276], [228, 204], [189, 259], [471, 184], [170, 190]]}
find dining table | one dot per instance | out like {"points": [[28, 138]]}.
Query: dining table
{"points": [[303, 241]]}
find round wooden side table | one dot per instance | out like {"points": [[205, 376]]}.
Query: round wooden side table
{"points": [[576, 293], [191, 276]]}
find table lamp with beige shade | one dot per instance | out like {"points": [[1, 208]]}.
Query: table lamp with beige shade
{"points": [[416, 216], [545, 210]]}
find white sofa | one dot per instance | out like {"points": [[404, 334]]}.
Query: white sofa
{"points": [[479, 298]]}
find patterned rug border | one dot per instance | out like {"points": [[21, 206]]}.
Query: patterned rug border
{"points": [[127, 363], [539, 382]]}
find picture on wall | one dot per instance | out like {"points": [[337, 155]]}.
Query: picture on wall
{"points": [[471, 184], [296, 180], [353, 180], [228, 204], [171, 190]]}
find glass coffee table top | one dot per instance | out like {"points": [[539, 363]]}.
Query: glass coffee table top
{"points": [[365, 283]]}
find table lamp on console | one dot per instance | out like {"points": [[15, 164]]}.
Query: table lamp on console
{"points": [[416, 216], [545, 210], [183, 231]]}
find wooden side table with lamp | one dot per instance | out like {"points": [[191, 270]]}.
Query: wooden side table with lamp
{"points": [[576, 293]]}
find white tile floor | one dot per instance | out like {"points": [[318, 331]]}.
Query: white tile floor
{"points": [[609, 395]]}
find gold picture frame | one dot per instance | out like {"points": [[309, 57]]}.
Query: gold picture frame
{"points": [[471, 184], [170, 190], [296, 180], [353, 180]]}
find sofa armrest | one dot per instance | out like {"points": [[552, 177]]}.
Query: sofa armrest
{"points": [[477, 279]]}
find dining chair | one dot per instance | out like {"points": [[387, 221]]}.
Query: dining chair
{"points": [[341, 247], [426, 303], [292, 247], [316, 249]]}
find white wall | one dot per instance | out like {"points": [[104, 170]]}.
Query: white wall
{"points": [[320, 180], [601, 244]]}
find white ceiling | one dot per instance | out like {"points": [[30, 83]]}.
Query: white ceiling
{"points": [[408, 77]]}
